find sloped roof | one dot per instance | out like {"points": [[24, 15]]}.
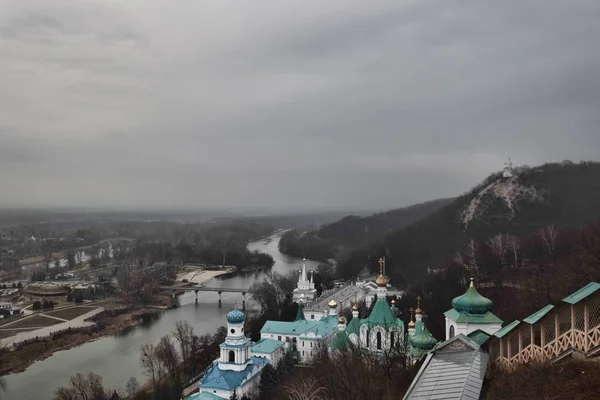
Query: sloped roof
{"points": [[324, 327], [479, 336], [227, 380], [536, 316], [353, 326], [453, 370], [287, 328], [266, 346], [381, 314], [582, 293], [341, 341], [300, 314], [507, 329], [465, 317], [204, 396]]}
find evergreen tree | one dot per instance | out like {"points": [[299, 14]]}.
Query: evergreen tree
{"points": [[234, 395], [268, 382]]}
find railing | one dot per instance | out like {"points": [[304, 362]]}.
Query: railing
{"points": [[566, 328]]}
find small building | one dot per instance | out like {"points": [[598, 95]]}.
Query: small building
{"points": [[272, 350], [236, 369], [304, 337], [453, 370], [471, 312]]}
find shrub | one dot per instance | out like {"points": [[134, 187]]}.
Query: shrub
{"points": [[47, 304], [37, 305], [70, 297]]}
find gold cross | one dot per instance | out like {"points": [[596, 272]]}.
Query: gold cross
{"points": [[381, 262]]}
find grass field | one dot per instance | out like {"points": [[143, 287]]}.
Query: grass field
{"points": [[7, 320], [36, 321], [71, 313]]}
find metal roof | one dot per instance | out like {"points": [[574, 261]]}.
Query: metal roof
{"points": [[204, 396], [536, 316], [465, 317], [266, 346], [216, 378], [507, 329], [479, 336], [454, 370], [582, 293]]}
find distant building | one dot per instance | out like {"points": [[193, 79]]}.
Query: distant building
{"points": [[305, 292], [508, 169]]}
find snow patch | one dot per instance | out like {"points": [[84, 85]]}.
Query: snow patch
{"points": [[509, 190]]}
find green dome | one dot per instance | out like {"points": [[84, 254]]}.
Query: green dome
{"points": [[424, 340], [472, 302]]}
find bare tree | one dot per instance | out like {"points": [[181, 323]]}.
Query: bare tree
{"points": [[548, 235], [150, 364], [514, 243], [184, 333], [167, 357], [305, 389], [132, 386], [499, 246]]}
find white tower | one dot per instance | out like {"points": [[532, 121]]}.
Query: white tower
{"points": [[235, 351], [508, 169], [305, 291], [341, 323], [332, 307]]}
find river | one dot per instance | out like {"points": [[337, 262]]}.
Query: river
{"points": [[116, 358]]}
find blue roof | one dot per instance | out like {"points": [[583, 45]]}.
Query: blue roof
{"points": [[324, 327], [235, 316], [266, 346], [227, 380], [287, 328], [204, 396]]}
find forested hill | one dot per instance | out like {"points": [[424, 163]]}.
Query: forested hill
{"points": [[337, 239], [560, 194]]}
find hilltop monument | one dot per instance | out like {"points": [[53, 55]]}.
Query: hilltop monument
{"points": [[508, 169]]}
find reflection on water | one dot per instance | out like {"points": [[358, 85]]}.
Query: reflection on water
{"points": [[116, 358]]}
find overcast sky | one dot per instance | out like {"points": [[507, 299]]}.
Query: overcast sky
{"points": [[288, 104]]}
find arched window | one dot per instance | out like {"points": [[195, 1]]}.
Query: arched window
{"points": [[451, 334], [392, 339], [231, 356], [378, 340]]}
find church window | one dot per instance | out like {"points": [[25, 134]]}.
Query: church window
{"points": [[310, 344], [451, 333], [378, 340], [279, 338], [232, 330], [303, 343], [231, 356], [312, 316], [303, 352]]}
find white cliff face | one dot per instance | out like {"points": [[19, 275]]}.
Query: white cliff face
{"points": [[508, 190]]}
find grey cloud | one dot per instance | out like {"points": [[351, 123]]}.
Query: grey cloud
{"points": [[287, 104]]}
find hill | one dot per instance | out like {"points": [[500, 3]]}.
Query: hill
{"points": [[337, 239], [560, 194]]}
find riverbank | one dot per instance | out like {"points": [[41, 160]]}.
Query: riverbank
{"points": [[202, 276], [109, 322]]}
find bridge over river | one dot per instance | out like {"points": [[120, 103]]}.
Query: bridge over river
{"points": [[219, 290]]}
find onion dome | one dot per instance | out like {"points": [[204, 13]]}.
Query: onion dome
{"points": [[411, 324], [393, 302], [332, 303], [355, 307], [472, 302], [424, 340], [381, 281], [341, 319], [235, 316]]}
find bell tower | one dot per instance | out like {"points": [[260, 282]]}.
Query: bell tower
{"points": [[235, 351]]}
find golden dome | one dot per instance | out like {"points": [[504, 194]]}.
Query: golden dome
{"points": [[332, 303], [418, 310], [411, 324], [393, 301], [341, 319], [355, 307], [381, 281]]}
